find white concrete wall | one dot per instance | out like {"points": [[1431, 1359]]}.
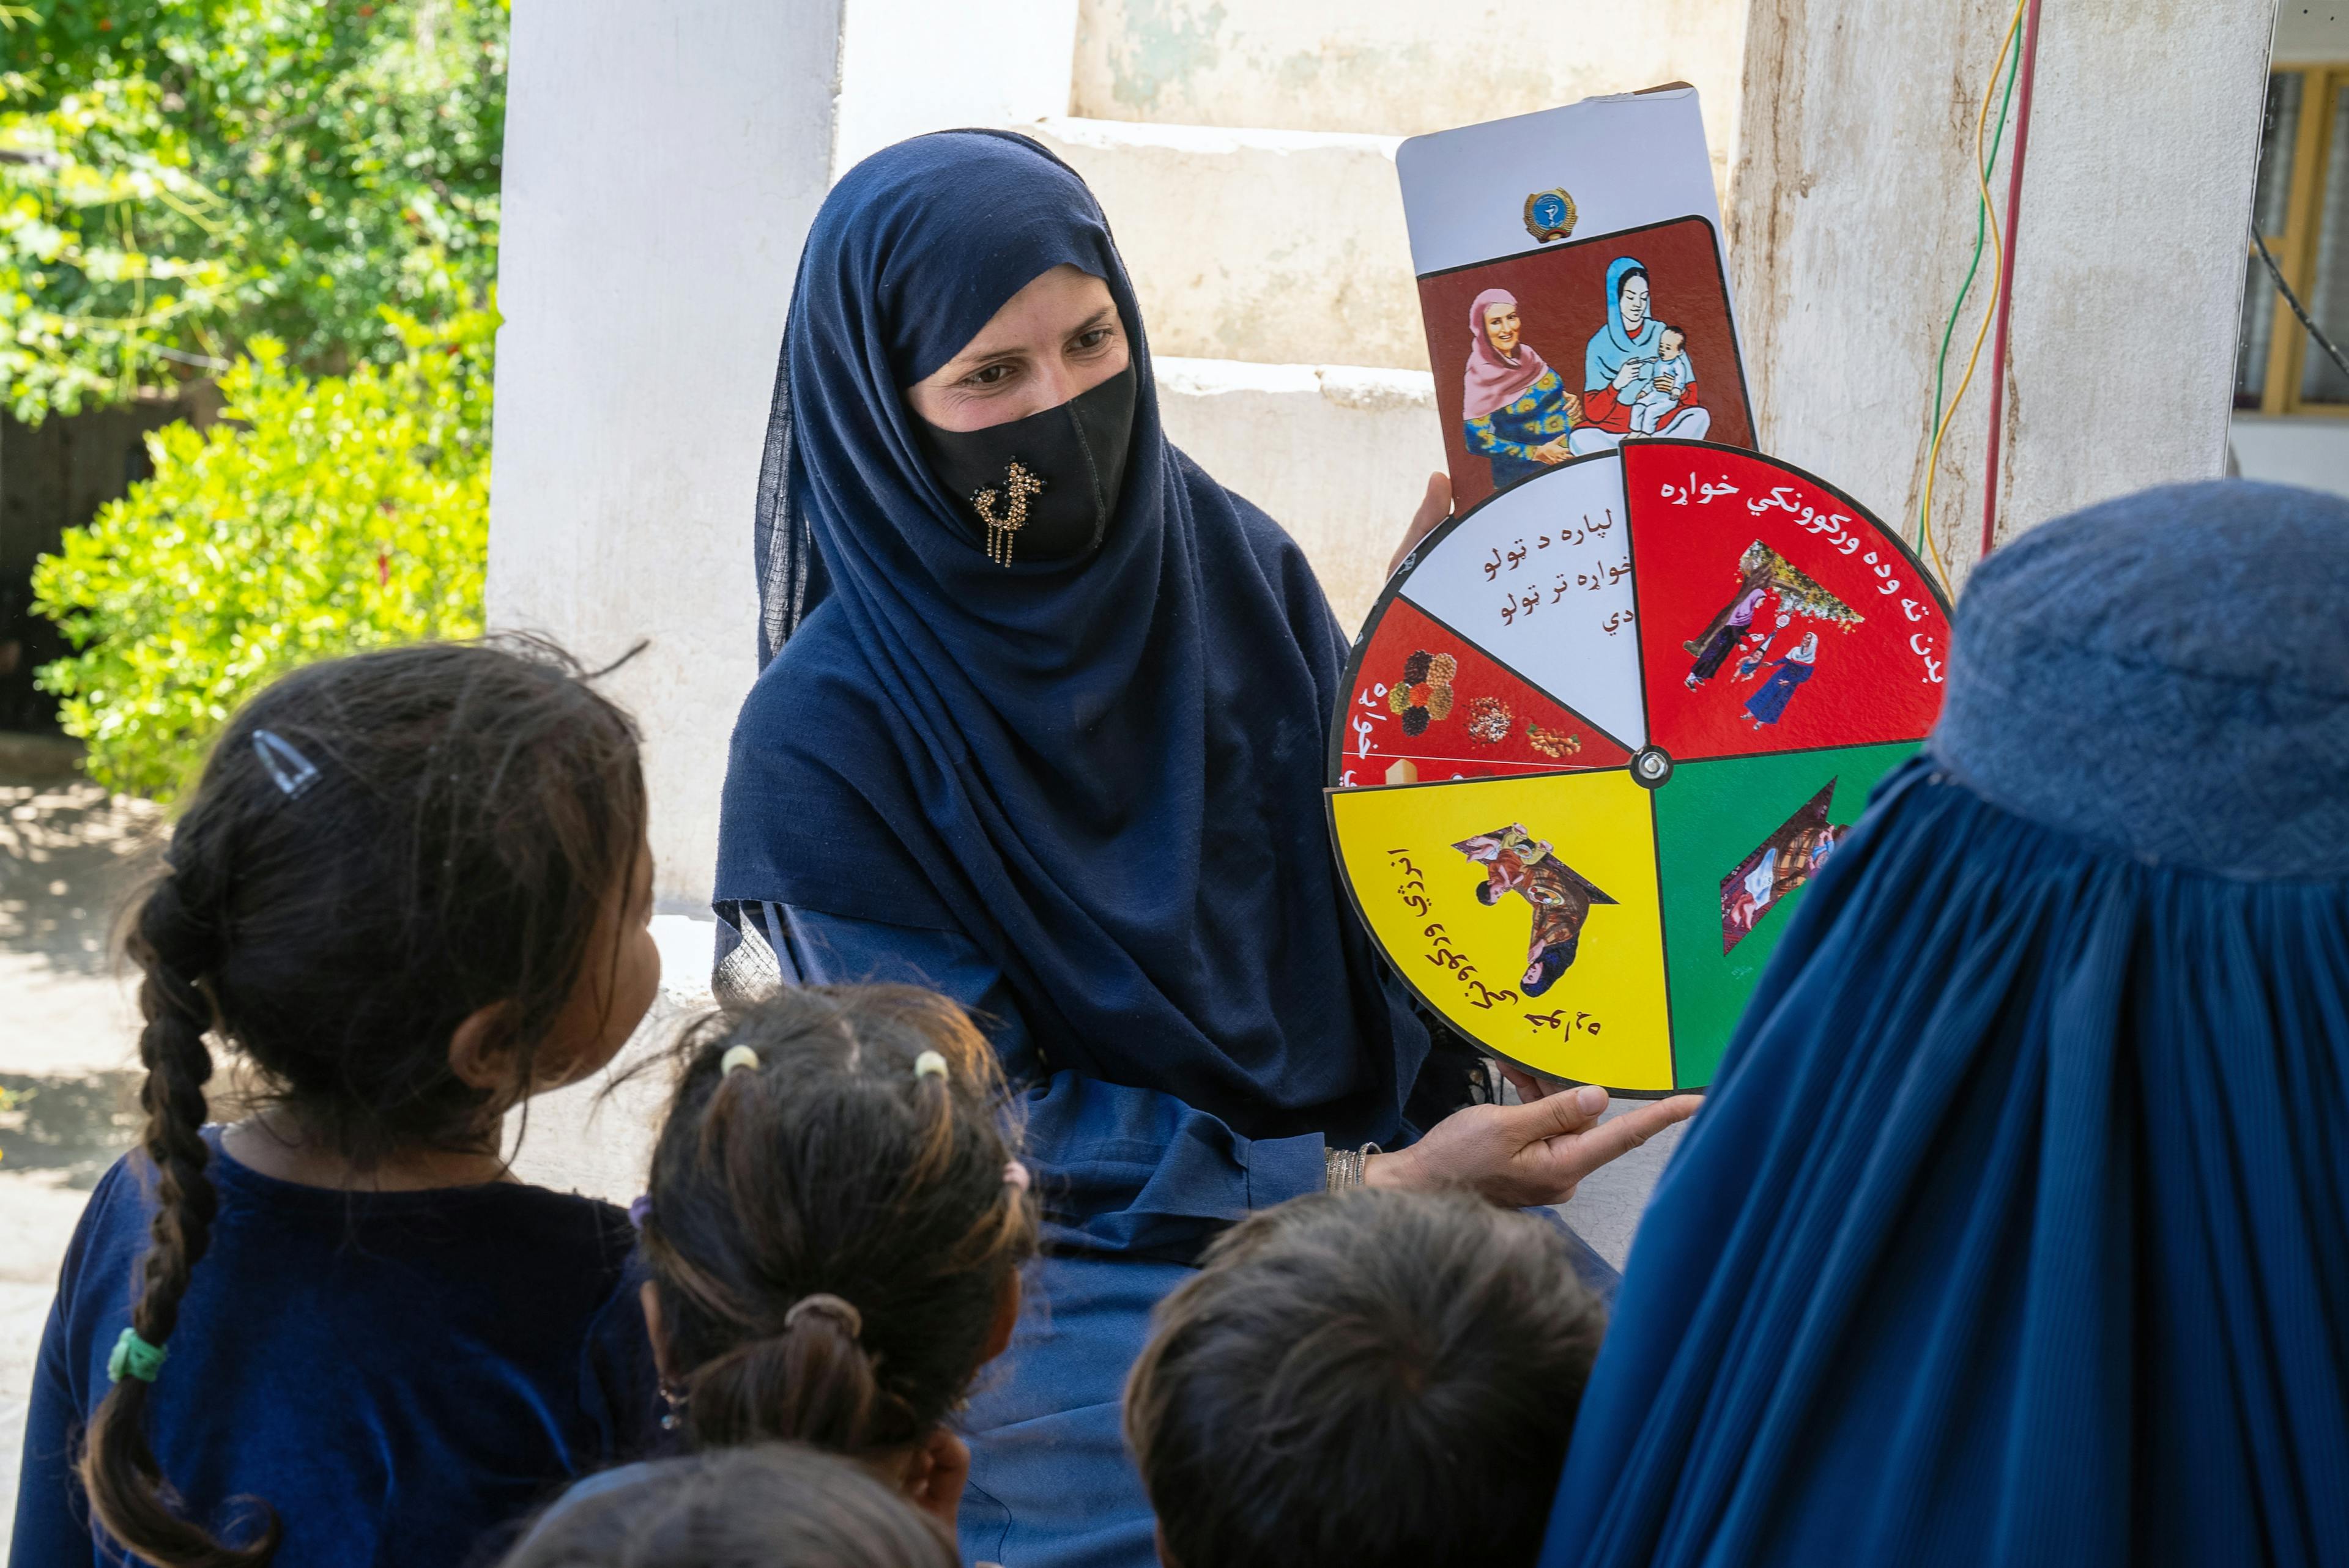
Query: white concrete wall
{"points": [[2311, 449], [1396, 67], [662, 166], [658, 181], [931, 65], [1852, 217], [1279, 246], [1335, 454]]}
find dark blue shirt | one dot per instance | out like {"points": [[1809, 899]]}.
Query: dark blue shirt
{"points": [[400, 1375]]}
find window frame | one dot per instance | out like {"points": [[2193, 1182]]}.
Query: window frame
{"points": [[2294, 250]]}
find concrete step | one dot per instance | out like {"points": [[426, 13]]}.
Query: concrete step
{"points": [[1396, 67], [1337, 454], [1277, 246]]}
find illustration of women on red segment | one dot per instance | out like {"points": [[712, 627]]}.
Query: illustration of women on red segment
{"points": [[1578, 348], [1774, 615], [1672, 671]]}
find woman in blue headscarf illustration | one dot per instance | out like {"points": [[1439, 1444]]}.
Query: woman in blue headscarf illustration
{"points": [[1635, 365]]}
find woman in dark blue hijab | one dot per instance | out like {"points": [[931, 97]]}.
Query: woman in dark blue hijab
{"points": [[2016, 1229], [1040, 726]]}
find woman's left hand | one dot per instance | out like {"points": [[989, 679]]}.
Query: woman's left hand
{"points": [[1434, 507], [1526, 1154], [935, 1473]]}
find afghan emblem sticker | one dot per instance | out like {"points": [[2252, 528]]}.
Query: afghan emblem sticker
{"points": [[1549, 215]]}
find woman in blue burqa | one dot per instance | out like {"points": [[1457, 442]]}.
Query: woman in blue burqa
{"points": [[1624, 362], [2016, 1229], [1040, 726]]}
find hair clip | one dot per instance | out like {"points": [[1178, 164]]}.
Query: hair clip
{"points": [[640, 1210], [287, 768], [828, 1305], [736, 1057], [929, 1064]]}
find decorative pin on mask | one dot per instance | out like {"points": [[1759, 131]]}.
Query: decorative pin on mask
{"points": [[1000, 473], [1019, 485]]}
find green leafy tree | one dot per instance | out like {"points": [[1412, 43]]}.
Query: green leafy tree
{"points": [[180, 177], [318, 517]]}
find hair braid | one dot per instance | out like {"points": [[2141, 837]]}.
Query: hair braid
{"points": [[126, 1486]]}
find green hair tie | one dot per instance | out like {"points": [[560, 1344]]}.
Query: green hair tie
{"points": [[136, 1356]]}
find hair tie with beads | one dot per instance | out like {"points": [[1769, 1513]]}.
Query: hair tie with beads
{"points": [[135, 1357], [929, 1064], [828, 1305]]}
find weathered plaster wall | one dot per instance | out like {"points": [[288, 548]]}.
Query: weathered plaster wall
{"points": [[1335, 454], [1397, 67], [1279, 246], [1853, 215]]}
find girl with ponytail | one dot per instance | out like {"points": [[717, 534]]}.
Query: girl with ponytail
{"points": [[834, 1229], [410, 891]]}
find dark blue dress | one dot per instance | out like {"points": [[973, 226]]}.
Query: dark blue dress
{"points": [[402, 1375]]}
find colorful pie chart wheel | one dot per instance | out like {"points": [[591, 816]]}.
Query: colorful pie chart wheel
{"points": [[1601, 731]]}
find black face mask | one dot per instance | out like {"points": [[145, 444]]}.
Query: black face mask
{"points": [[1042, 488]]}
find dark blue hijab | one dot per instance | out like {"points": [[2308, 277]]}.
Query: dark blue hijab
{"points": [[2016, 1228], [1105, 771]]}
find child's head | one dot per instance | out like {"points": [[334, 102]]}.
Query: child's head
{"points": [[778, 1505], [835, 1225], [1369, 1378], [410, 889], [1669, 341]]}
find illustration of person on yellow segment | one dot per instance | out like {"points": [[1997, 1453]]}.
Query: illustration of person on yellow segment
{"points": [[1562, 898]]}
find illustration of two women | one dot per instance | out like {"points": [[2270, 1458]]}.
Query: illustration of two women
{"points": [[1636, 378]]}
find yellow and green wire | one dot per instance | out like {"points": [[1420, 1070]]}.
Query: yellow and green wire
{"points": [[1933, 423]]}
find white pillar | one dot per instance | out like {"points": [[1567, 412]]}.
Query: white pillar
{"points": [[1853, 216], [662, 166]]}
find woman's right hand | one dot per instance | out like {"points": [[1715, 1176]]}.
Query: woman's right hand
{"points": [[1521, 1155], [1628, 374]]}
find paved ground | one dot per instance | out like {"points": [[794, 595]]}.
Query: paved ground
{"points": [[68, 1058], [68, 1040]]}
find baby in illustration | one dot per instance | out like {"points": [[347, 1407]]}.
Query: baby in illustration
{"points": [[1562, 898], [1653, 406]]}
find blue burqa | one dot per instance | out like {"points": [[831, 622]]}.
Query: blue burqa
{"points": [[1106, 771], [2016, 1227]]}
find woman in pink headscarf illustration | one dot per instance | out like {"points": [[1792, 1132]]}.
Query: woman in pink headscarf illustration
{"points": [[1515, 408]]}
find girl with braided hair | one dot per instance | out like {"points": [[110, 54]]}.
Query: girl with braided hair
{"points": [[410, 889], [835, 1229]]}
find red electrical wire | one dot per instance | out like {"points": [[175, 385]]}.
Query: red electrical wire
{"points": [[2006, 280]]}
